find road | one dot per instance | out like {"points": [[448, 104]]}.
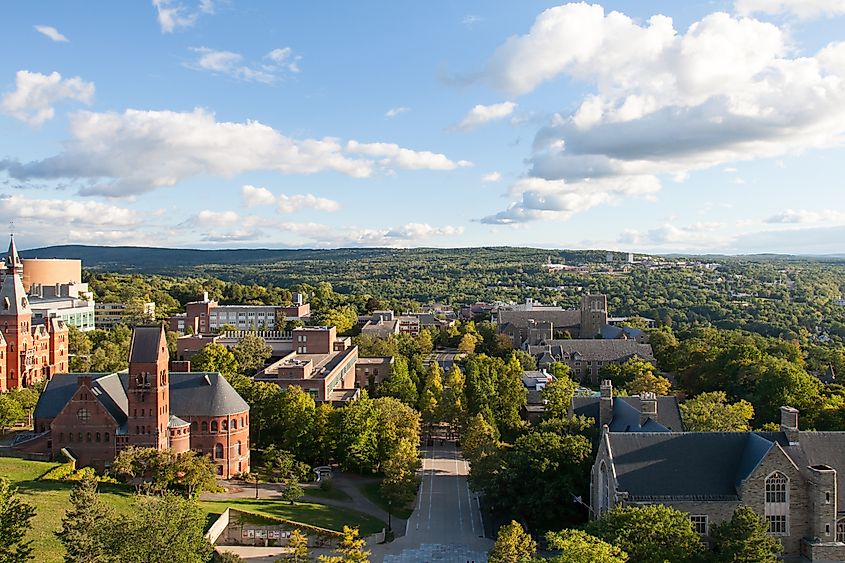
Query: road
{"points": [[446, 524]]}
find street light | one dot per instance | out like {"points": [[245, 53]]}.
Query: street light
{"points": [[389, 503], [256, 485]]}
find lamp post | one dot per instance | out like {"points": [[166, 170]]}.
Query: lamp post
{"points": [[256, 485], [389, 503]]}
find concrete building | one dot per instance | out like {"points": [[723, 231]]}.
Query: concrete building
{"points": [[50, 271], [207, 316], [586, 358], [109, 315], [321, 364], [96, 415], [70, 302], [383, 324], [29, 353], [790, 478]]}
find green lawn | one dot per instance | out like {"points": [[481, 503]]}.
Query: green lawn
{"points": [[373, 492], [330, 517], [333, 493], [51, 499]]}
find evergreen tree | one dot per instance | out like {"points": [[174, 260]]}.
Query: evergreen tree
{"points": [[298, 544], [15, 516], [745, 539], [82, 533], [513, 545]]}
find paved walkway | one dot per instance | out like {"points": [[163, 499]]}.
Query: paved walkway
{"points": [[446, 525]]}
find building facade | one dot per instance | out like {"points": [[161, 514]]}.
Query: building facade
{"points": [[587, 358], [30, 353], [94, 416], [208, 317], [109, 315], [70, 302]]}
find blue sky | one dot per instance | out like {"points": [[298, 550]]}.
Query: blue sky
{"points": [[650, 126]]}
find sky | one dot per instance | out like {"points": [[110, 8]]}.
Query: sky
{"points": [[645, 126]]}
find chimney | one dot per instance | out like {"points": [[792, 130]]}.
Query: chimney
{"points": [[606, 402], [648, 406], [789, 423]]}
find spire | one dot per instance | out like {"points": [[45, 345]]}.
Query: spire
{"points": [[13, 261]]}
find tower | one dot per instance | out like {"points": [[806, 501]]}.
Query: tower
{"points": [[593, 314], [16, 324], [148, 388]]}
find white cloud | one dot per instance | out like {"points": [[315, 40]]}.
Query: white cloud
{"points": [[802, 9], [35, 94], [395, 112], [670, 236], [128, 153], [394, 156], [294, 203], [51, 32], [802, 216], [536, 198], [470, 20], [491, 177], [481, 114], [173, 14], [273, 67], [64, 212], [256, 196]]}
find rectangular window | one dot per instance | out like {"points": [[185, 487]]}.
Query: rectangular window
{"points": [[699, 524], [777, 524]]}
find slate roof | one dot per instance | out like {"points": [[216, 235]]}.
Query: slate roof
{"points": [[822, 448], [626, 413], [593, 349], [610, 332], [59, 390], [144, 346], [561, 318]]}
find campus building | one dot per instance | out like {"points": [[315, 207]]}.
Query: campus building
{"points": [[587, 358], [208, 317], [29, 352], [789, 477], [109, 315], [70, 302], [95, 415], [530, 322]]}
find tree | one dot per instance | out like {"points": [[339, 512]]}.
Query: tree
{"points": [[744, 539], [623, 374], [711, 412], [467, 344], [83, 535], [453, 407], [513, 545], [342, 318], [161, 529], [510, 396], [649, 382], [11, 411], [652, 533], [298, 544], [400, 473], [292, 491], [399, 384], [293, 421], [79, 350], [577, 546], [558, 396], [432, 393], [251, 353], [215, 357], [350, 550], [15, 516], [192, 472]]}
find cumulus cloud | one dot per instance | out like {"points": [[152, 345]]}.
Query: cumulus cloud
{"points": [[395, 112], [136, 151], [802, 9], [256, 196], [491, 177], [51, 32], [262, 197], [668, 235], [394, 156], [481, 114], [35, 94], [537, 198], [727, 89], [173, 14], [802, 216], [271, 68], [229, 226]]}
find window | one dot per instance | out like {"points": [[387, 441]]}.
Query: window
{"points": [[604, 490], [107, 437], [777, 503], [83, 415], [840, 530], [220, 470], [214, 426], [225, 425], [699, 524], [238, 447], [218, 451], [205, 427], [98, 437], [234, 424]]}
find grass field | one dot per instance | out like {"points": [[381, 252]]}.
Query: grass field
{"points": [[51, 499], [373, 492]]}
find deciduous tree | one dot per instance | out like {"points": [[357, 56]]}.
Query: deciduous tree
{"points": [[251, 353], [711, 412], [577, 546], [513, 545], [744, 538]]}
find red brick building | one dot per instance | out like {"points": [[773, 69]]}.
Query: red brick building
{"points": [[28, 354], [95, 415]]}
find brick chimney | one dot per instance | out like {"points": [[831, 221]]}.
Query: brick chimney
{"points": [[606, 403], [789, 423], [648, 406]]}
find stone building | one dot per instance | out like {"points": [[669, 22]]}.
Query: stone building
{"points": [[531, 322], [95, 415], [790, 478], [646, 412], [29, 353], [586, 358]]}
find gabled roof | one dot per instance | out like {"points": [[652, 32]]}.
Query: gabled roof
{"points": [[145, 344], [691, 465], [594, 349], [626, 413], [107, 387]]}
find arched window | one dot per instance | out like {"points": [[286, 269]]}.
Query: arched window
{"points": [[604, 490], [777, 504], [214, 426], [194, 426], [218, 451], [205, 426], [242, 422], [238, 447], [234, 424], [840, 530], [107, 437], [225, 425], [97, 437]]}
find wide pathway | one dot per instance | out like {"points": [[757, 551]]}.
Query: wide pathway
{"points": [[446, 525]]}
